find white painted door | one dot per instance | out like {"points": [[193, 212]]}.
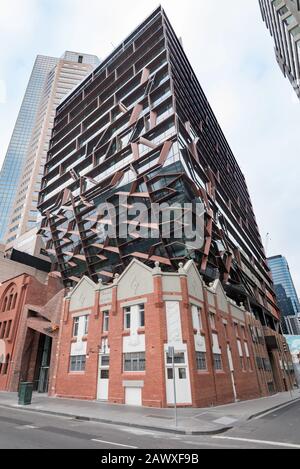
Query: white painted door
{"points": [[103, 378], [133, 396], [182, 380], [231, 367]]}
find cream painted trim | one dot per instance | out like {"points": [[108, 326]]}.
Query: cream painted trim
{"points": [[81, 313], [172, 298], [136, 302], [196, 303], [105, 308], [133, 384]]}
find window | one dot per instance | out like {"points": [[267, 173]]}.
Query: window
{"points": [[80, 59], [77, 363], [170, 373], [196, 317], [105, 360], [104, 374], [218, 361], [127, 318], [75, 327], [134, 361], [242, 363], [249, 364], [178, 358], [182, 373], [5, 365], [105, 321], [212, 320], [236, 328], [141, 315], [201, 361], [86, 325]]}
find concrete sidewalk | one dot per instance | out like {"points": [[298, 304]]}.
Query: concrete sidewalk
{"points": [[191, 421]]}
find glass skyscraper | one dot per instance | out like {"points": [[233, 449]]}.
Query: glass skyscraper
{"points": [[20, 140], [282, 277], [68, 72], [282, 18]]}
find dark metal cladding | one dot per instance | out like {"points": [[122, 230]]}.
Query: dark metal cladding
{"points": [[141, 125]]}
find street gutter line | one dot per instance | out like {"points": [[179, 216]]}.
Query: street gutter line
{"points": [[260, 442], [115, 444]]}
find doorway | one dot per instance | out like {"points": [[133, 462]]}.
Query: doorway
{"points": [[182, 379]]}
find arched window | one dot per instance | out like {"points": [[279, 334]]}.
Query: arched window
{"points": [[4, 304], [10, 298], [14, 301]]}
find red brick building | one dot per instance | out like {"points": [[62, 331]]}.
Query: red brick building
{"points": [[114, 343], [29, 317]]}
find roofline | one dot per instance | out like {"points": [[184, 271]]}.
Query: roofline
{"points": [[155, 12]]}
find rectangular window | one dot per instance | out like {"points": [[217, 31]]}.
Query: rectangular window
{"points": [[104, 374], [75, 327], [86, 325], [127, 318], [212, 320], [249, 364], [242, 363], [134, 361], [218, 361], [141, 315], [105, 321], [105, 360], [77, 363], [201, 361], [197, 319], [178, 358]]}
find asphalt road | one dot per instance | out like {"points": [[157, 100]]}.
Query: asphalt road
{"points": [[27, 430]]}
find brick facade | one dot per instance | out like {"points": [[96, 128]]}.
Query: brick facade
{"points": [[28, 310], [227, 330]]}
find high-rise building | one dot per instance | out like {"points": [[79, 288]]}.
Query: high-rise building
{"points": [[149, 314], [141, 126], [282, 18], [285, 291], [67, 73], [19, 144]]}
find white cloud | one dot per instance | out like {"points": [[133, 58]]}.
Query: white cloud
{"points": [[232, 54]]}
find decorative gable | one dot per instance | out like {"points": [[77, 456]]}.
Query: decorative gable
{"points": [[195, 285], [83, 295], [136, 280]]}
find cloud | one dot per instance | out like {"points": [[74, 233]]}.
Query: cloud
{"points": [[232, 54]]}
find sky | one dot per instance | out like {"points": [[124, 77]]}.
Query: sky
{"points": [[232, 54]]}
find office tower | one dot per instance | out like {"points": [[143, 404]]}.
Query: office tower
{"points": [[67, 73], [292, 325], [19, 144], [140, 125], [282, 277], [282, 18]]}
